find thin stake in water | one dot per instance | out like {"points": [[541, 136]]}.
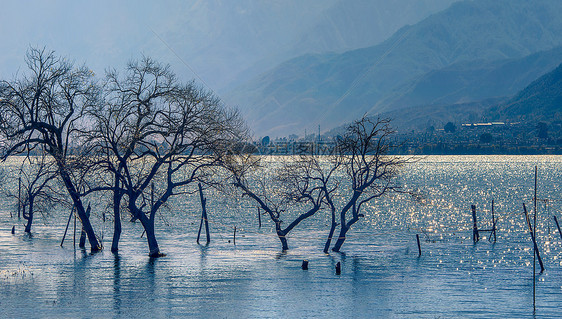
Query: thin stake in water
{"points": [[475, 235], [74, 237], [19, 197], [536, 248], [67, 224], [203, 216], [558, 226], [493, 224], [535, 244], [419, 246]]}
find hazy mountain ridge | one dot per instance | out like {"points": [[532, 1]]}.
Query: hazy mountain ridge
{"points": [[349, 25], [541, 100], [338, 88], [475, 80], [339, 26], [416, 120], [230, 41]]}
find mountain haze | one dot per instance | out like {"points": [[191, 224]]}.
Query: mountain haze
{"points": [[326, 26], [219, 42], [349, 25], [474, 80], [541, 100], [330, 89]]}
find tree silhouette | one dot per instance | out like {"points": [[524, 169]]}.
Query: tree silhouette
{"points": [[44, 109]]}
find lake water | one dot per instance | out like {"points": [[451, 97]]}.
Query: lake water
{"points": [[382, 275]]}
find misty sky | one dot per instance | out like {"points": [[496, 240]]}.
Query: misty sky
{"points": [[109, 33], [98, 33], [221, 40]]}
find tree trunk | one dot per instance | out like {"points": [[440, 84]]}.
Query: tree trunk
{"points": [[345, 226], [283, 239], [82, 243], [329, 240], [154, 250], [29, 216], [341, 238], [343, 231], [148, 224], [282, 236], [94, 244], [117, 217], [331, 234]]}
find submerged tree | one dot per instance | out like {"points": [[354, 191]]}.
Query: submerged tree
{"points": [[289, 191], [294, 188], [37, 175], [369, 172], [152, 129], [44, 109]]}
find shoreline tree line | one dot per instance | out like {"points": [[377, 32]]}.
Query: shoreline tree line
{"points": [[141, 137]]}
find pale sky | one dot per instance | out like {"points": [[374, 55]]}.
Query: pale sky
{"points": [[221, 40], [98, 33]]}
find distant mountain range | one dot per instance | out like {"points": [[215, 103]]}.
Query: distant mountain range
{"points": [[474, 80], [227, 42], [472, 51], [540, 101], [475, 92]]}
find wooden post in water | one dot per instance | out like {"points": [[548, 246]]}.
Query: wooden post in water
{"points": [[207, 224], [19, 197], [536, 248], [234, 239], [534, 229], [493, 223], [202, 212], [558, 226], [338, 268], [304, 265], [259, 217], [475, 235], [13, 230], [74, 238], [419, 246], [203, 216], [535, 243], [67, 224], [103, 225]]}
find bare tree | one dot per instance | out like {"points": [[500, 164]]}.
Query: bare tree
{"points": [[327, 175], [45, 109], [286, 188], [155, 130], [369, 172], [38, 182], [357, 171]]}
